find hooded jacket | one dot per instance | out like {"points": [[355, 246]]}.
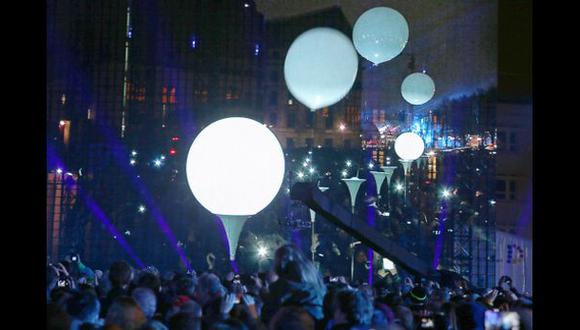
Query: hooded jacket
{"points": [[287, 293]]}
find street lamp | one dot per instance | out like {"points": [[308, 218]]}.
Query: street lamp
{"points": [[353, 184], [408, 146]]}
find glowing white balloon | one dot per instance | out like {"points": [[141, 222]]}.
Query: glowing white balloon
{"points": [[418, 88], [320, 67], [409, 146], [380, 34], [235, 168]]}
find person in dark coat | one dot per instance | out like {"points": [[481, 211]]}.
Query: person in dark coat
{"points": [[299, 284]]}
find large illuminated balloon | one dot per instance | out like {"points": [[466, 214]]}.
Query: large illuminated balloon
{"points": [[409, 146], [235, 168], [320, 67], [380, 34], [418, 88]]}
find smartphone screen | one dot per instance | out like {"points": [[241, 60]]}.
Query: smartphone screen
{"points": [[427, 323], [502, 320]]}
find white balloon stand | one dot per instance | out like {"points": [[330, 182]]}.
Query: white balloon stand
{"points": [[353, 184], [233, 225], [379, 179], [389, 170], [407, 168]]}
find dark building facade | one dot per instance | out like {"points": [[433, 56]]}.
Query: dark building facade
{"points": [[129, 84]]}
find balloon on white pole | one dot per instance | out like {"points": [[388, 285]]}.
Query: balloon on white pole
{"points": [[409, 146], [320, 67], [380, 34], [235, 191], [418, 88]]}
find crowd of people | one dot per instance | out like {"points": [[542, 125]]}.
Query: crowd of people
{"points": [[293, 295]]}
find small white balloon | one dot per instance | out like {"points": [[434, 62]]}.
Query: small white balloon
{"points": [[320, 67], [380, 34], [409, 146], [418, 88]]}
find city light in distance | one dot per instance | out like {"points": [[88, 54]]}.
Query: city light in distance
{"points": [[133, 153], [141, 209], [61, 123], [492, 202], [132, 162], [371, 165], [311, 170], [300, 175], [399, 187], [348, 163], [157, 163], [305, 164], [344, 173], [446, 193], [342, 127], [262, 251], [59, 170]]}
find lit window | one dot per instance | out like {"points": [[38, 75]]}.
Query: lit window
{"points": [[165, 97]]}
